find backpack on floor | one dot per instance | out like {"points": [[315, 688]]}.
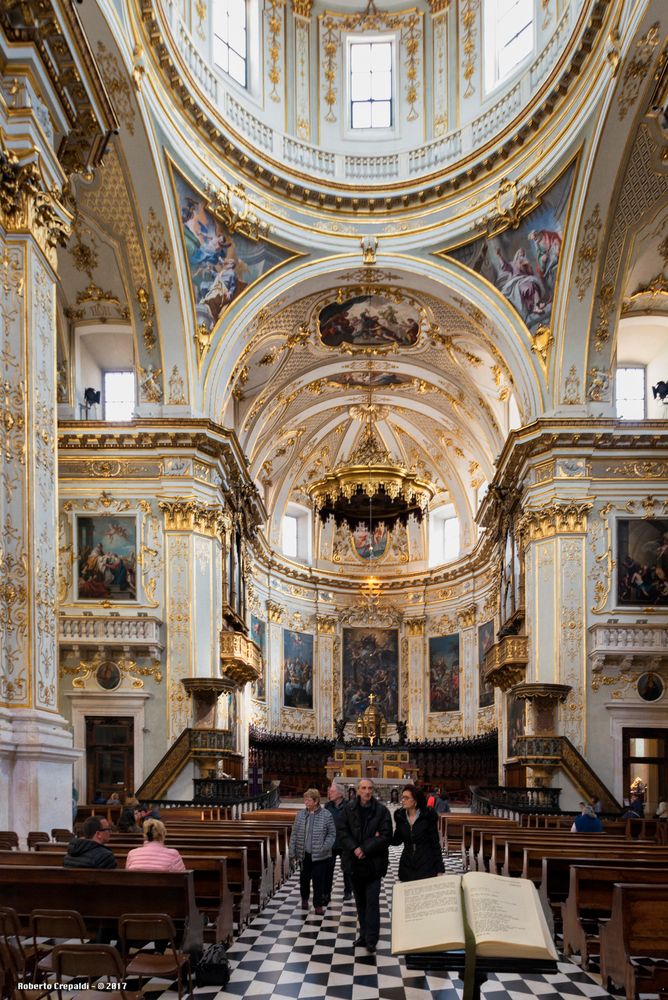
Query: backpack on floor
{"points": [[213, 968]]}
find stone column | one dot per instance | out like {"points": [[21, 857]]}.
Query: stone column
{"points": [[36, 752]]}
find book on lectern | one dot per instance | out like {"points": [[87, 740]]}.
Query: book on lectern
{"points": [[505, 916]]}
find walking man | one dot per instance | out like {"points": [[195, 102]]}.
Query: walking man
{"points": [[335, 805], [365, 835]]}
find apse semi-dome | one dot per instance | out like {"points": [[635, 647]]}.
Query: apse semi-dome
{"points": [[312, 98]]}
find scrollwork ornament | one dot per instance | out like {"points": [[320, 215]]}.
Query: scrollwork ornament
{"points": [[587, 252], [637, 69]]}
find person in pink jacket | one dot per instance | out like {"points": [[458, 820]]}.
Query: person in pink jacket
{"points": [[153, 856]]}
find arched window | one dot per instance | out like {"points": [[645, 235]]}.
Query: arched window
{"points": [[630, 392], [443, 535], [509, 38], [230, 38]]}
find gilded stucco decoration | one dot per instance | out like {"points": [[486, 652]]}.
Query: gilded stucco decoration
{"points": [[161, 258], [408, 23], [118, 86], [150, 387], [598, 389], [86, 669], [179, 632], [298, 720], [587, 252], [571, 395], [636, 70], [469, 40], [444, 725], [600, 549], [176, 395], [274, 11]]}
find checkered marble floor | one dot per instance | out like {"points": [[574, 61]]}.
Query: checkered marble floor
{"points": [[286, 953]]}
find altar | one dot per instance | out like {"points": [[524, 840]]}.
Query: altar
{"points": [[384, 766]]}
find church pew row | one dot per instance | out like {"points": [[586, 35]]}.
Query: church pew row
{"points": [[261, 868], [590, 900], [246, 871], [525, 859], [102, 895], [213, 895], [278, 836], [455, 828], [506, 855], [634, 938]]}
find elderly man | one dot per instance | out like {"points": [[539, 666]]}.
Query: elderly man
{"points": [[364, 835], [91, 851], [335, 804]]}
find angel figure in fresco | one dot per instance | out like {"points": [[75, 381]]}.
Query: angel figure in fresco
{"points": [[517, 281]]}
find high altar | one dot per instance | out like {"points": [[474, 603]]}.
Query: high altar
{"points": [[387, 767]]}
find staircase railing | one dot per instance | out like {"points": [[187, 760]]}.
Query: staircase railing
{"points": [[558, 751], [190, 743], [498, 800]]}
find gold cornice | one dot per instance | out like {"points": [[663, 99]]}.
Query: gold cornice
{"points": [[302, 8], [431, 187], [327, 624], [275, 612], [466, 616], [415, 626]]}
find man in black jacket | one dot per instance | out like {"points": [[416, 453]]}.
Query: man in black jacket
{"points": [[90, 851], [335, 804], [365, 833]]}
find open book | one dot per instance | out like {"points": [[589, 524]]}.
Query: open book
{"points": [[505, 916]]}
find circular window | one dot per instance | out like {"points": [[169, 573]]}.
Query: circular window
{"points": [[650, 687], [107, 675]]}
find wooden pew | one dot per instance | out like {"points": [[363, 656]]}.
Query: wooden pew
{"points": [[590, 900], [637, 927], [532, 857], [509, 851], [556, 872], [231, 869], [276, 838], [102, 894]]}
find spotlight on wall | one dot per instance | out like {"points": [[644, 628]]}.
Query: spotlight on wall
{"points": [[660, 390]]}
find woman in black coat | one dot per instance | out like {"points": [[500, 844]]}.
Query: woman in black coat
{"points": [[417, 829]]}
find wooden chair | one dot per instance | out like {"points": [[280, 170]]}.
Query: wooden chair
{"points": [[152, 927], [59, 924], [37, 837], [17, 960], [91, 962], [9, 837]]}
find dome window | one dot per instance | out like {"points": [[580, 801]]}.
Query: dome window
{"points": [[509, 38], [230, 45], [371, 82]]}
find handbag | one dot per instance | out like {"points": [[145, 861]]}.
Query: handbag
{"points": [[213, 968]]}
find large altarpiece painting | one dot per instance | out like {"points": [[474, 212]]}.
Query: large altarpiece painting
{"points": [[370, 666]]}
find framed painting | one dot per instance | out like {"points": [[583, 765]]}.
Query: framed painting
{"points": [[485, 642], [444, 673], [370, 380], [516, 715], [370, 666], [106, 558], [370, 544], [258, 634], [642, 562], [386, 319], [297, 669]]}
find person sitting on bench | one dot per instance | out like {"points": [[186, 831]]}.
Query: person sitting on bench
{"points": [[153, 856], [90, 851]]}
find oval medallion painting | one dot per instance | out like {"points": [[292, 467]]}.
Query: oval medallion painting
{"points": [[107, 675], [365, 321]]}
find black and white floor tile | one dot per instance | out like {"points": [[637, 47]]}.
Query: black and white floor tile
{"points": [[287, 953]]}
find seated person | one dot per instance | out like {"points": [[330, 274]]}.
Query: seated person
{"points": [[114, 799], [91, 851], [126, 822], [587, 821], [153, 856]]}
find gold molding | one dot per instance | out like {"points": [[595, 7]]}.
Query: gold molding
{"points": [[554, 519], [192, 515], [415, 626], [327, 624], [275, 612]]}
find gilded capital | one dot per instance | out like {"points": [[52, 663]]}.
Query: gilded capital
{"points": [[554, 519], [26, 207], [466, 616], [415, 626], [275, 612], [327, 624], [302, 8], [438, 6], [192, 515]]}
